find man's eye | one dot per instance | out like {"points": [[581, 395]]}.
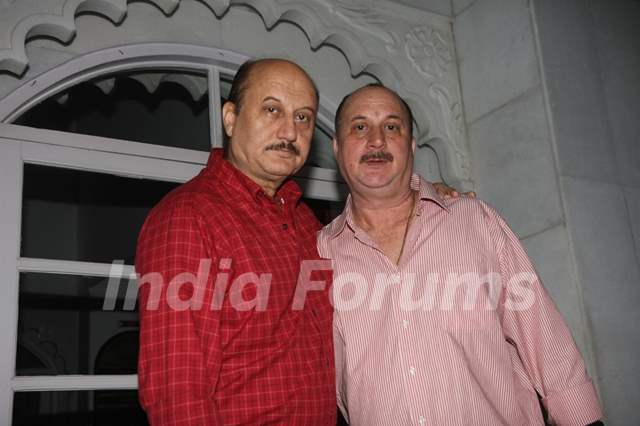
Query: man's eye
{"points": [[302, 118], [392, 127], [360, 127], [271, 109]]}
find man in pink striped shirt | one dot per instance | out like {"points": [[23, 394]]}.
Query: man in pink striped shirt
{"points": [[440, 318]]}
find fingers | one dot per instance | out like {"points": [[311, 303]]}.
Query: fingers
{"points": [[445, 191]]}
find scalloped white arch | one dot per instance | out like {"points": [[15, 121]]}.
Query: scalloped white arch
{"points": [[410, 51]]}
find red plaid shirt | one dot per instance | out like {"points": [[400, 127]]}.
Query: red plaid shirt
{"points": [[215, 364]]}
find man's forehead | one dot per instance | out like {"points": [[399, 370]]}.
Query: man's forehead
{"points": [[374, 100], [279, 80], [280, 71]]}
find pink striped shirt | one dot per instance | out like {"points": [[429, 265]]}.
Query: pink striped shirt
{"points": [[461, 332]]}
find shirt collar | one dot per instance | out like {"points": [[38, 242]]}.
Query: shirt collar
{"points": [[426, 192], [227, 174]]}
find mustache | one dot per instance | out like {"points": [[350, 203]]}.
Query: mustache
{"points": [[283, 146], [376, 155]]}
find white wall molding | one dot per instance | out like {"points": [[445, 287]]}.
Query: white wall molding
{"points": [[407, 49]]}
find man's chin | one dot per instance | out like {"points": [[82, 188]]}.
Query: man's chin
{"points": [[374, 181], [283, 169]]}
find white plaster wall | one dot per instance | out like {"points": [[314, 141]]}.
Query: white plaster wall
{"points": [[551, 92], [591, 56], [617, 37], [516, 156], [442, 7], [511, 145]]}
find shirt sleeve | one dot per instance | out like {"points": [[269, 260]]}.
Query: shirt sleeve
{"points": [[534, 326], [179, 359]]}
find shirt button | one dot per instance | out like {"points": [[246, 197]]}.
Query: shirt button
{"points": [[422, 420], [281, 200], [412, 371], [405, 323], [285, 226]]}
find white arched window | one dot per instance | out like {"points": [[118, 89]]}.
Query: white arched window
{"points": [[74, 203]]}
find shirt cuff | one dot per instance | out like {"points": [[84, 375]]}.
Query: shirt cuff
{"points": [[576, 406], [193, 412]]}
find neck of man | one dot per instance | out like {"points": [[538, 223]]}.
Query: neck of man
{"points": [[372, 211], [270, 187], [270, 190]]}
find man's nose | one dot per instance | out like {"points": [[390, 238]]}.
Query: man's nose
{"points": [[376, 138], [287, 130]]}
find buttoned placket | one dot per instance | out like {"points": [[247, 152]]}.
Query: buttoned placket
{"points": [[411, 369], [279, 208], [408, 368], [285, 225]]}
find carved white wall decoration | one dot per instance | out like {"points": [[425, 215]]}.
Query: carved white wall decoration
{"points": [[365, 14], [407, 49], [452, 113], [428, 51]]}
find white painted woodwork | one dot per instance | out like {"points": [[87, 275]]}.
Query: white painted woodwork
{"points": [[73, 383], [10, 188]]}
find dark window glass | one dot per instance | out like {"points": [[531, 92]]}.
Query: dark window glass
{"points": [[166, 108], [76, 325], [84, 216], [324, 210], [78, 408]]}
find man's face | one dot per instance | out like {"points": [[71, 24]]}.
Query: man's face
{"points": [[271, 135], [373, 146]]}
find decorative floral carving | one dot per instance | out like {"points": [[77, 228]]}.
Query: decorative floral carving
{"points": [[428, 51]]}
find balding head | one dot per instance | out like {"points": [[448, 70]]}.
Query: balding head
{"points": [[244, 77]]}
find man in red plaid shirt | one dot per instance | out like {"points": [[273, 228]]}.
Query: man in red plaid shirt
{"points": [[221, 341]]}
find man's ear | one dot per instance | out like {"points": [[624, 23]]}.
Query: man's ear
{"points": [[229, 117], [413, 145]]}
